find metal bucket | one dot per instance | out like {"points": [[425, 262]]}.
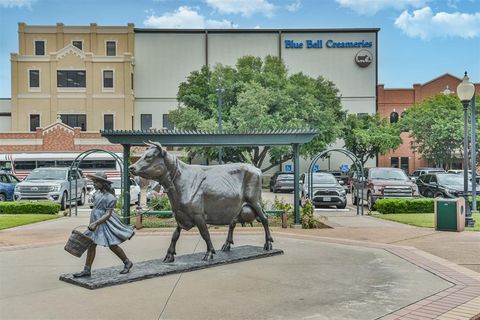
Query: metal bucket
{"points": [[78, 243]]}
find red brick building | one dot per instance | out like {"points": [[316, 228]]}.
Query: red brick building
{"points": [[398, 100]]}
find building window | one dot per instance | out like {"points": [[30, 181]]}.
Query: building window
{"points": [[34, 122], [34, 78], [78, 44], [404, 164], [108, 79], [166, 122], [75, 120], [71, 78], [39, 48], [393, 117], [111, 48], [108, 122], [145, 121], [394, 162]]}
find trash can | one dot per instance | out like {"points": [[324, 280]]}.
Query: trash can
{"points": [[449, 214]]}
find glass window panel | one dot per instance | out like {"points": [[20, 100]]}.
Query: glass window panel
{"points": [[34, 122], [108, 79], [108, 122], [146, 121], [166, 122], [78, 44], [39, 48], [24, 165], [34, 78], [404, 163], [394, 162], [111, 48], [71, 78]]}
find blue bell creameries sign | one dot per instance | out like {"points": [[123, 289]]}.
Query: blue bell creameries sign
{"points": [[330, 44]]}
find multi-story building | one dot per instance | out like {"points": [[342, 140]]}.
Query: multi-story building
{"points": [[393, 102], [82, 74]]}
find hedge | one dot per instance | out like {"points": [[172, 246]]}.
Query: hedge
{"points": [[29, 207], [408, 205]]}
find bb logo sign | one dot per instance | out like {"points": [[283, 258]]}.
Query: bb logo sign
{"points": [[363, 58]]}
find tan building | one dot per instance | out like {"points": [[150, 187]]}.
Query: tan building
{"points": [[82, 74]]}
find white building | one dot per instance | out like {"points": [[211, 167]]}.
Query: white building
{"points": [[164, 58]]}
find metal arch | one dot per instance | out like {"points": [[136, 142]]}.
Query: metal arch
{"points": [[75, 165], [355, 160]]}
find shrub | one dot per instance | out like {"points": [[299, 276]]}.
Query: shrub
{"points": [[160, 203], [420, 205], [307, 219], [29, 207]]}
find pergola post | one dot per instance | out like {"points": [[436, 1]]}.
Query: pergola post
{"points": [[296, 181], [126, 185]]}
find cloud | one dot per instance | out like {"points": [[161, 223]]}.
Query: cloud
{"points": [[185, 18], [294, 6], [16, 3], [424, 24], [244, 7], [369, 7]]}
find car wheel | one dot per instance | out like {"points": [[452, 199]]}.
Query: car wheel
{"points": [[81, 202], [63, 201], [3, 197], [370, 203], [429, 194], [271, 189], [342, 206]]}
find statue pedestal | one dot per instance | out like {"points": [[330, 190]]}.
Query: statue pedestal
{"points": [[157, 268]]}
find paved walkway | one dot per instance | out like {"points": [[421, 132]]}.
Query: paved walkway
{"points": [[362, 268]]}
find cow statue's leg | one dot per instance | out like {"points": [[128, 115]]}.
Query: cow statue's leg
{"points": [[229, 241], [263, 218], [170, 257], [202, 227]]}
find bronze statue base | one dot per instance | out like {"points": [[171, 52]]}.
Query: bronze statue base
{"points": [[106, 277]]}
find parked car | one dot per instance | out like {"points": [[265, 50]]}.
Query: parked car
{"points": [[116, 185], [383, 183], [7, 186], [52, 184], [446, 185], [327, 191], [281, 181], [421, 171]]}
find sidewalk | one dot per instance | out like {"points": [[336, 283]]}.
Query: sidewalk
{"points": [[363, 268]]}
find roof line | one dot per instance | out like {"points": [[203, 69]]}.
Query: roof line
{"points": [[313, 30]]}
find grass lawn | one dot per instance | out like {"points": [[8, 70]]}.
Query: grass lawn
{"points": [[15, 220], [424, 220]]}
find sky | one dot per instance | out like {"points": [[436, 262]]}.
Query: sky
{"points": [[419, 40]]}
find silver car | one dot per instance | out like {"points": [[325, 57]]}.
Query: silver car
{"points": [[327, 190], [52, 184]]}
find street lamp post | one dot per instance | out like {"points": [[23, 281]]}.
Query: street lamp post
{"points": [[220, 92], [474, 157], [465, 92]]}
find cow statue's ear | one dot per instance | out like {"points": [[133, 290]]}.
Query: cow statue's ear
{"points": [[159, 147]]}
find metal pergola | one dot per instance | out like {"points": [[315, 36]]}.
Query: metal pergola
{"points": [[187, 138]]}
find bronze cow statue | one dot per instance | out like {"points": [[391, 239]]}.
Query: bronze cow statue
{"points": [[200, 195]]}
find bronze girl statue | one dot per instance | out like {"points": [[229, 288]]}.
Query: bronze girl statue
{"points": [[105, 228]]}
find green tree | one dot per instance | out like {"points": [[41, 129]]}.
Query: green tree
{"points": [[368, 135], [436, 126], [258, 95]]}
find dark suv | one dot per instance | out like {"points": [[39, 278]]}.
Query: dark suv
{"points": [[421, 171], [281, 181], [446, 185]]}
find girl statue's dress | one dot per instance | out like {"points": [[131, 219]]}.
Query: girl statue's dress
{"points": [[112, 231]]}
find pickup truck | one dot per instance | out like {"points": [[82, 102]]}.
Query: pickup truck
{"points": [[52, 184], [382, 183]]}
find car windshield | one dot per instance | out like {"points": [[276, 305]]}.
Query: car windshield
{"points": [[285, 177], [43, 174], [451, 179], [322, 179], [388, 174]]}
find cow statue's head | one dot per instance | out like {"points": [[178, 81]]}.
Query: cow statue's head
{"points": [[151, 164]]}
